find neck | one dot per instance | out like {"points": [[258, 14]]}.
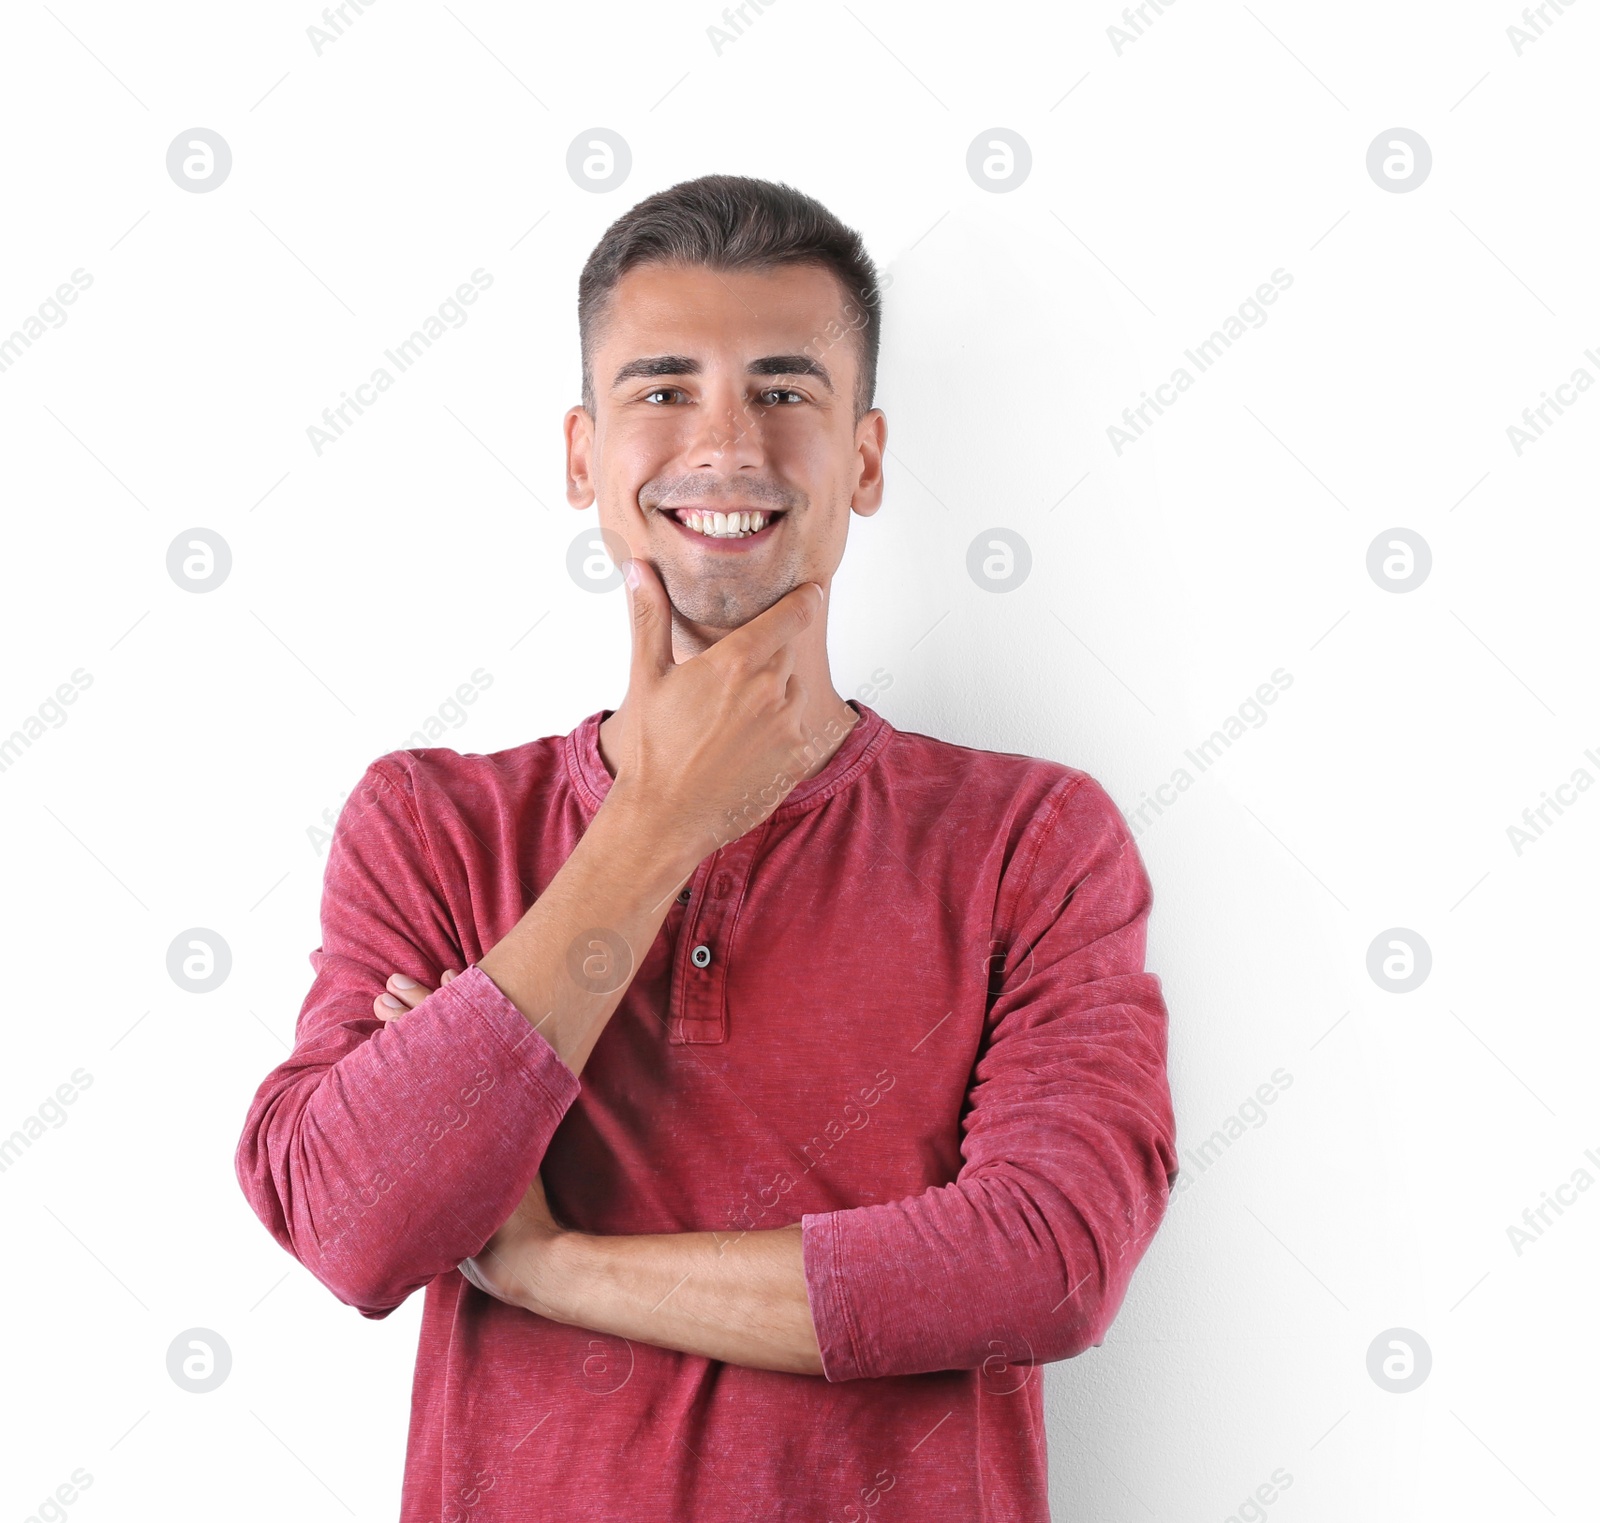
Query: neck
{"points": [[827, 718]]}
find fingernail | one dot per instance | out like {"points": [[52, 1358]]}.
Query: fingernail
{"points": [[393, 1003], [400, 981], [630, 572]]}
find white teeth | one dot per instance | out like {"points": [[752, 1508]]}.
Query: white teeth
{"points": [[724, 525]]}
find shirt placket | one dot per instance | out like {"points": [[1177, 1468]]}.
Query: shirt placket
{"points": [[699, 1007]]}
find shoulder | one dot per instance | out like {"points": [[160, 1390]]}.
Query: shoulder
{"points": [[435, 782], [999, 783], [1043, 825]]}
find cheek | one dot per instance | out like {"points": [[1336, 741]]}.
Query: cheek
{"points": [[632, 454]]}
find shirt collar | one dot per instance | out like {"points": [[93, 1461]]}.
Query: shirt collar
{"points": [[866, 739]]}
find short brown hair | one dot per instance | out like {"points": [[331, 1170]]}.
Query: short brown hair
{"points": [[731, 222]]}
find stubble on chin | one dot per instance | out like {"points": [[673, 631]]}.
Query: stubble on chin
{"points": [[723, 605]]}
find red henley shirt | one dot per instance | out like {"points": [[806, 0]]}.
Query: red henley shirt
{"points": [[923, 1030]]}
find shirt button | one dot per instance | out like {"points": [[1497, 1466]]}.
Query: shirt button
{"points": [[684, 896], [701, 956]]}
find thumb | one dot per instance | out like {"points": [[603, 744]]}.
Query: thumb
{"points": [[651, 616]]}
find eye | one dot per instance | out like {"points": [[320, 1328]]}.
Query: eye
{"points": [[660, 391], [782, 391]]}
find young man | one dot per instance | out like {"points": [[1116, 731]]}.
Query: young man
{"points": [[804, 1089]]}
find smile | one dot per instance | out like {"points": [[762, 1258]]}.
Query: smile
{"points": [[708, 524]]}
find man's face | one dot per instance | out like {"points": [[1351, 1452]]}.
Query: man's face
{"points": [[727, 392]]}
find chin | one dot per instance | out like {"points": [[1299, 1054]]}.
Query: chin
{"points": [[725, 607], [724, 614]]}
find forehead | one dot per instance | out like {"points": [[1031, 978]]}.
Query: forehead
{"points": [[684, 309]]}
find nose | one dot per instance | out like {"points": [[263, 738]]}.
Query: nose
{"points": [[728, 432]]}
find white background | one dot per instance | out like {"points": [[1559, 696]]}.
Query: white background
{"points": [[1168, 181]]}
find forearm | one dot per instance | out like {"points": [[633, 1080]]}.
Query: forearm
{"points": [[567, 962], [378, 1170], [738, 1297]]}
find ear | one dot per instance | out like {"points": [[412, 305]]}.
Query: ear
{"points": [[872, 435], [578, 427]]}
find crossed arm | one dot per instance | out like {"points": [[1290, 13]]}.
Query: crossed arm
{"points": [[364, 1152], [739, 1297]]}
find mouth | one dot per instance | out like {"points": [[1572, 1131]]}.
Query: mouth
{"points": [[741, 526]]}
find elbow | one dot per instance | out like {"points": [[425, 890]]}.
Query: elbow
{"points": [[1080, 1320], [1076, 1285], [357, 1273], [1088, 1286], [1059, 1319], [332, 1245]]}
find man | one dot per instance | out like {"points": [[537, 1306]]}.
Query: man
{"points": [[803, 1090]]}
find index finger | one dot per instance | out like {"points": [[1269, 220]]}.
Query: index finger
{"points": [[767, 633]]}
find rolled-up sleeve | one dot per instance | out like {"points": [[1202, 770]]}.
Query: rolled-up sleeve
{"points": [[382, 1154], [1068, 1137]]}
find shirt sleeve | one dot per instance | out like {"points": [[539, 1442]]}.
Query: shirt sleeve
{"points": [[381, 1154], [1068, 1136]]}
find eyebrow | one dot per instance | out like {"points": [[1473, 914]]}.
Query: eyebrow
{"points": [[682, 364]]}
